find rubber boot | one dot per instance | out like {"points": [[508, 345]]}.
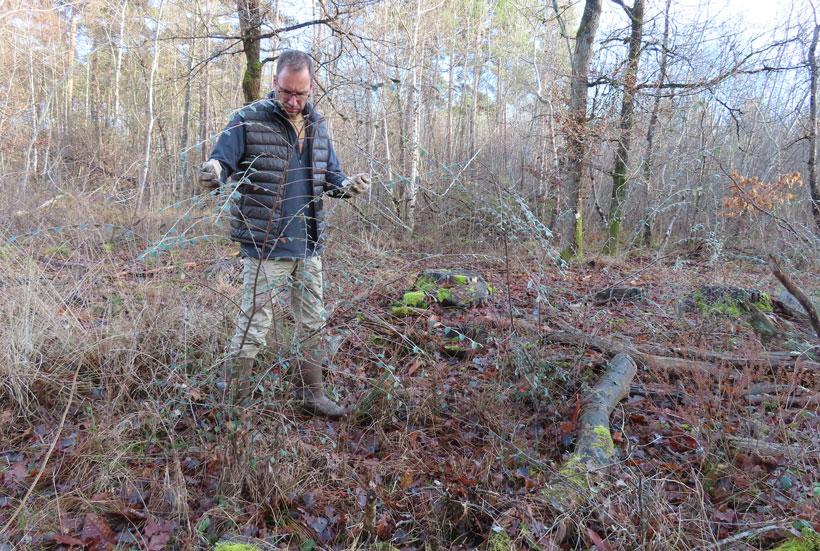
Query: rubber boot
{"points": [[310, 389]]}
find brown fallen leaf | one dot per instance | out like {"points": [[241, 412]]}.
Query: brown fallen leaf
{"points": [[600, 543], [414, 367], [97, 534]]}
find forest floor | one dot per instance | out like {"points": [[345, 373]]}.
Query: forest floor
{"points": [[114, 436]]}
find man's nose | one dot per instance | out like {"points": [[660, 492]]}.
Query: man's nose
{"points": [[293, 101]]}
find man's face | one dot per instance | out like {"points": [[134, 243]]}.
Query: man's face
{"points": [[292, 89]]}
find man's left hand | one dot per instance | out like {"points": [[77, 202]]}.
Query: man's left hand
{"points": [[358, 184]]}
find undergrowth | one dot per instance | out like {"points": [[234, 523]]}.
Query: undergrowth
{"points": [[451, 452]]}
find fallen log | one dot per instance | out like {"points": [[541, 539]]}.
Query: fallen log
{"points": [[772, 359], [594, 439], [594, 449], [613, 348], [701, 362], [749, 446], [796, 292], [786, 401]]}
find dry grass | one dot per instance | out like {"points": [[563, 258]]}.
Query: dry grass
{"points": [[454, 450]]}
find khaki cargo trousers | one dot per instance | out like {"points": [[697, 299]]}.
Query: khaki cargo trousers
{"points": [[262, 280]]}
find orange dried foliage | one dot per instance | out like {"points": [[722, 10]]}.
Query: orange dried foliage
{"points": [[747, 195]]}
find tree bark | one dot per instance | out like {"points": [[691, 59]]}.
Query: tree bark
{"points": [[813, 187], [594, 440], [118, 66], [71, 55], [250, 24], [572, 233], [649, 160], [450, 103], [478, 65], [146, 157], [413, 109], [801, 297], [619, 176], [186, 114]]}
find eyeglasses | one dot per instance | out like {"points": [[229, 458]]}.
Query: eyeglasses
{"points": [[285, 95]]}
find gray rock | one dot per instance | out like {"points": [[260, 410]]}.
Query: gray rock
{"points": [[618, 294]]}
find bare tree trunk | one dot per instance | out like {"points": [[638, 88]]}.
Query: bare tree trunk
{"points": [[317, 34], [186, 110], [31, 150], [572, 234], [118, 66], [146, 158], [478, 65], [250, 21], [388, 160], [450, 103], [413, 109], [619, 179], [813, 188], [274, 40], [649, 160], [71, 55]]}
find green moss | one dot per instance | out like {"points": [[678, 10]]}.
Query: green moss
{"points": [[810, 542], [461, 279], [223, 546], [764, 303], [426, 287], [499, 541], [402, 311], [63, 251], [455, 349], [603, 440], [253, 71], [442, 294], [414, 299], [726, 305]]}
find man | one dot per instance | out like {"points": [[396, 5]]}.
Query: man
{"points": [[280, 154]]}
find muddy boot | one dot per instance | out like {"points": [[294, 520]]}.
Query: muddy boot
{"points": [[310, 390], [238, 381]]}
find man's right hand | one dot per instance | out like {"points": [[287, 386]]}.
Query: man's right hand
{"points": [[209, 173]]}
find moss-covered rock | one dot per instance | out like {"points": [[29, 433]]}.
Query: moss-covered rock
{"points": [[750, 305], [414, 299], [403, 311], [453, 287], [499, 541], [810, 542], [236, 542], [232, 546]]}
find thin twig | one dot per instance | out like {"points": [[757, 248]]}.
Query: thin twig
{"points": [[740, 536]]}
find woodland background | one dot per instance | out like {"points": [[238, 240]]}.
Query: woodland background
{"points": [[558, 148]]}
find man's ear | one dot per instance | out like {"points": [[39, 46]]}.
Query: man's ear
{"points": [[275, 82]]}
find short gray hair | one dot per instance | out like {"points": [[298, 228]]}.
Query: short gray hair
{"points": [[295, 61]]}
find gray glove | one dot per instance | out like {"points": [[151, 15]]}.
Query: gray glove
{"points": [[358, 184], [209, 173]]}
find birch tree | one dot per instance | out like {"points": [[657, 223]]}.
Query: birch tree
{"points": [[146, 158]]}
